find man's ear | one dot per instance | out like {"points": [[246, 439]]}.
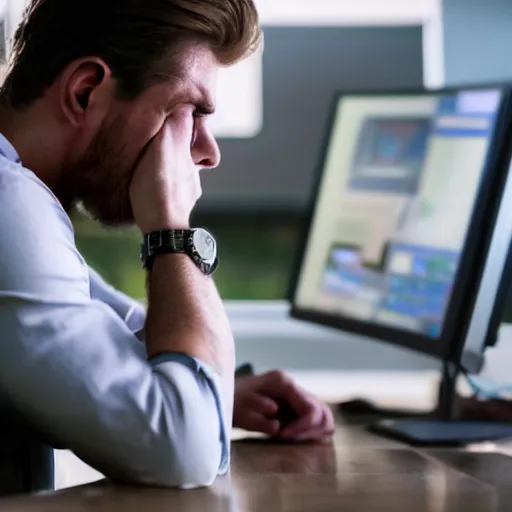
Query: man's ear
{"points": [[86, 89]]}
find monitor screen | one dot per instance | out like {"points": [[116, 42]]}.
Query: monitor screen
{"points": [[397, 194]]}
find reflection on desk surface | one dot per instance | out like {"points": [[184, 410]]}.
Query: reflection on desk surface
{"points": [[354, 472]]}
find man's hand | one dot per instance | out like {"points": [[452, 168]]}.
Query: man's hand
{"points": [[165, 186], [164, 190], [256, 408]]}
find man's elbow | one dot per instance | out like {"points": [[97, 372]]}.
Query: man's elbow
{"points": [[187, 463], [185, 443], [192, 476]]}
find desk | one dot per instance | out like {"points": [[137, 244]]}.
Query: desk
{"points": [[356, 472]]}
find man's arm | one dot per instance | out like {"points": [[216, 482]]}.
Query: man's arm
{"points": [[163, 192], [131, 311], [179, 291], [75, 371], [257, 397]]}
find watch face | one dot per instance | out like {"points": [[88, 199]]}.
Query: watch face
{"points": [[205, 245]]}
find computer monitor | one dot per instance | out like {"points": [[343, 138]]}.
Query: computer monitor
{"points": [[402, 228]]}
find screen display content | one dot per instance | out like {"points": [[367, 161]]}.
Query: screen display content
{"points": [[397, 194]]}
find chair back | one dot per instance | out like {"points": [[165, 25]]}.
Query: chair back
{"points": [[26, 461]]}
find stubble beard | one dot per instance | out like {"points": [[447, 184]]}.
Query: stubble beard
{"points": [[99, 184]]}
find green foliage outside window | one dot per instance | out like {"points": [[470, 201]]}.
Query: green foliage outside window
{"points": [[257, 254]]}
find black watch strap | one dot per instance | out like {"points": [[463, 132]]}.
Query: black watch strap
{"points": [[163, 242], [198, 244]]}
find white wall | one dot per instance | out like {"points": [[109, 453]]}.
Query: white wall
{"points": [[477, 41], [15, 10], [428, 13]]}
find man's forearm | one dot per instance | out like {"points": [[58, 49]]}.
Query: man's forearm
{"points": [[186, 314]]}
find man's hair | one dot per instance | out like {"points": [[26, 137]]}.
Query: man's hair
{"points": [[136, 39]]}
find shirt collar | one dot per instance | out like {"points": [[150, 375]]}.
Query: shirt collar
{"points": [[7, 150]]}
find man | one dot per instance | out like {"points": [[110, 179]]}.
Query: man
{"points": [[105, 106]]}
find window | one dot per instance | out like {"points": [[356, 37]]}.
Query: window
{"points": [[239, 111], [257, 254]]}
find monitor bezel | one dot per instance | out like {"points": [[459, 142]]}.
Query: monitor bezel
{"points": [[469, 274], [471, 360]]}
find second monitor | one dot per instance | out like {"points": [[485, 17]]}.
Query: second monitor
{"points": [[404, 217]]}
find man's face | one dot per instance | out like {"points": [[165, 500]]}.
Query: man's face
{"points": [[99, 179]]}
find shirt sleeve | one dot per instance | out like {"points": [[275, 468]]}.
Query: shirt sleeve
{"points": [[132, 312], [75, 370]]}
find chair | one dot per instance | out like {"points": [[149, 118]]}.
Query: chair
{"points": [[26, 461]]}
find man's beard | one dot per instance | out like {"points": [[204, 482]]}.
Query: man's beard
{"points": [[99, 184]]}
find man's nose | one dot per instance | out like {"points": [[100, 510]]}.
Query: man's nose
{"points": [[205, 151]]}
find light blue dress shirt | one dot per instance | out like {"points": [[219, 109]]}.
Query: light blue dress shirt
{"points": [[72, 364]]}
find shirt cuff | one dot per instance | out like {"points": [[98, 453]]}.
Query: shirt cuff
{"points": [[200, 368]]}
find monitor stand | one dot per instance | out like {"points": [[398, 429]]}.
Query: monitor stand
{"points": [[441, 428]]}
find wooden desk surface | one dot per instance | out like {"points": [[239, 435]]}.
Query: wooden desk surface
{"points": [[356, 472]]}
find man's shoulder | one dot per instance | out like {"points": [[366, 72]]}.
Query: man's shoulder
{"points": [[37, 245], [26, 202]]}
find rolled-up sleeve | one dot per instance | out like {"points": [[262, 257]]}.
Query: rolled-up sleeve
{"points": [[74, 369]]}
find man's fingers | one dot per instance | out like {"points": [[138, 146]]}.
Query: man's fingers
{"points": [[316, 434], [159, 144], [261, 405], [318, 424], [255, 422], [278, 385], [328, 421], [312, 419], [315, 419]]}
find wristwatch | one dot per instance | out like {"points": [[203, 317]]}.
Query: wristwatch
{"points": [[198, 243]]}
